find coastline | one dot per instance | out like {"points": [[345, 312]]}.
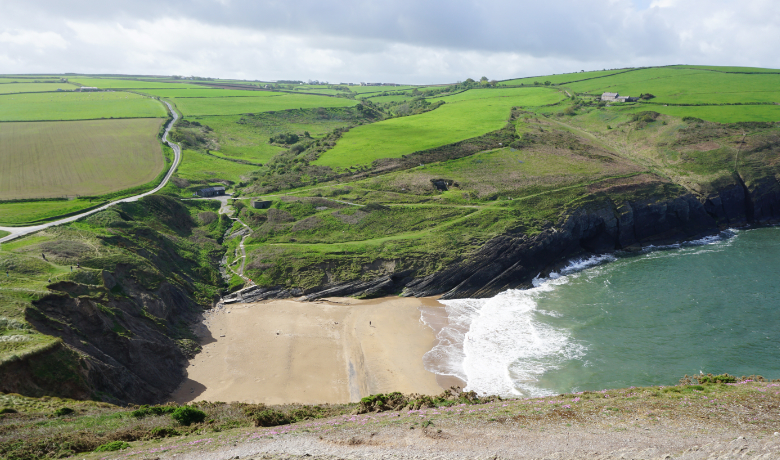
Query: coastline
{"points": [[333, 350]]}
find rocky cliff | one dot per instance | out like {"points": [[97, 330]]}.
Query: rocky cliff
{"points": [[607, 224]]}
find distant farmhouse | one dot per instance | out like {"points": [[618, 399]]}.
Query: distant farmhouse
{"points": [[615, 97], [210, 191]]}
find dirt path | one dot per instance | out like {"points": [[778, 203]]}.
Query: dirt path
{"points": [[16, 232]]}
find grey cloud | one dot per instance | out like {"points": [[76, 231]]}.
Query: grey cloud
{"points": [[410, 41]]}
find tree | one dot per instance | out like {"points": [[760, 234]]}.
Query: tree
{"points": [[547, 83]]}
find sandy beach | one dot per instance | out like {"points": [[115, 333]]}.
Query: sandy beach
{"points": [[334, 350]]}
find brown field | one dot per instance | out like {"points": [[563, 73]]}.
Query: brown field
{"points": [[72, 158]]}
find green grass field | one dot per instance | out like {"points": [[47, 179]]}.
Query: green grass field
{"points": [[27, 213], [531, 97], [379, 89], [238, 105], [464, 116], [718, 114], [315, 90], [728, 69], [78, 106], [205, 92], [384, 99], [688, 86], [201, 168], [562, 78], [55, 159], [109, 83], [8, 88], [246, 138]]}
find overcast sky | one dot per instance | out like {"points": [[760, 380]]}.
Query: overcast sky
{"points": [[402, 41]]}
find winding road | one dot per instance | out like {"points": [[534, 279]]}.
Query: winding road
{"points": [[16, 232]]}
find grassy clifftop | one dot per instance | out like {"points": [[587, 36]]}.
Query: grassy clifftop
{"points": [[692, 416], [91, 299]]}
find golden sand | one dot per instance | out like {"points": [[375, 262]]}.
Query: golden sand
{"points": [[330, 351]]}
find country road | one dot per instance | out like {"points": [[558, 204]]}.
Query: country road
{"points": [[16, 232]]}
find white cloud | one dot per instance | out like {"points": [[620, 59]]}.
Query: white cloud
{"points": [[357, 40], [32, 38]]}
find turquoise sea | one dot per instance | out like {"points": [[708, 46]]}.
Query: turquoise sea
{"points": [[624, 320]]}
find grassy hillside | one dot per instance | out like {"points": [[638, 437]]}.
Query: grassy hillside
{"points": [[462, 116], [248, 137], [144, 269], [55, 159], [672, 85], [78, 106]]}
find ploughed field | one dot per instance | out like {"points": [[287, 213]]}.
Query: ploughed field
{"points": [[65, 144], [94, 157]]}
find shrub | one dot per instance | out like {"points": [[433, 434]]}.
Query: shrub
{"points": [[112, 446], [145, 411], [187, 415], [271, 417], [159, 432], [63, 411], [723, 378], [285, 138]]}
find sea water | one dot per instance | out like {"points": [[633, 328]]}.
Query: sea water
{"points": [[624, 320]]}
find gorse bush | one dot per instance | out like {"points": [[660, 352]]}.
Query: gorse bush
{"points": [[163, 432], [146, 410], [271, 417], [284, 138], [187, 415], [263, 416]]}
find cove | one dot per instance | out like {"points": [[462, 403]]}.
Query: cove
{"points": [[624, 320]]}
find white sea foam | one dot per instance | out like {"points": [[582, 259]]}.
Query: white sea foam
{"points": [[499, 345]]}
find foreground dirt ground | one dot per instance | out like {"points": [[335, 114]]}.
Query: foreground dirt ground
{"points": [[722, 421]]}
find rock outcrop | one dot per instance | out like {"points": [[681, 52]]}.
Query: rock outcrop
{"points": [[123, 335]]}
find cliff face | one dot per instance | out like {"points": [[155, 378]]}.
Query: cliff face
{"points": [[513, 260], [122, 318], [124, 335]]}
